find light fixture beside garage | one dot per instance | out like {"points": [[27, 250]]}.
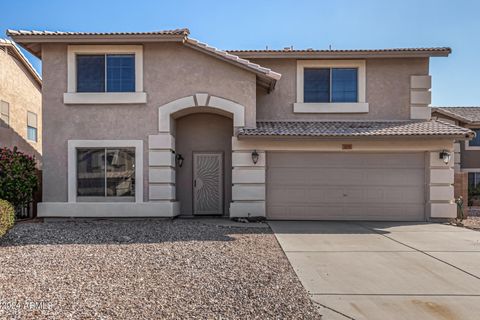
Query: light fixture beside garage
{"points": [[255, 156], [445, 156]]}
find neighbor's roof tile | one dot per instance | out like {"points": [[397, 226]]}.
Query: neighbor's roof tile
{"points": [[464, 114], [355, 128]]}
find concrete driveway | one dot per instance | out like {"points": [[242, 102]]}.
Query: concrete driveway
{"points": [[382, 270]]}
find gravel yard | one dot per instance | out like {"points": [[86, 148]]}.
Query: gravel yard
{"points": [[472, 223], [147, 269]]}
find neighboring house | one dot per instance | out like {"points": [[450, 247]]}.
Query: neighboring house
{"points": [[467, 153], [20, 102], [159, 124]]}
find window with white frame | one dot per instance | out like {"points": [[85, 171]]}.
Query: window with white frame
{"points": [[4, 114], [106, 172], [105, 74], [331, 86], [32, 124]]}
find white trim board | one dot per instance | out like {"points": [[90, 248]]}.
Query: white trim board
{"points": [[109, 209], [72, 163]]}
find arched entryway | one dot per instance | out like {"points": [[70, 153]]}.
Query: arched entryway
{"points": [[203, 182], [198, 127]]}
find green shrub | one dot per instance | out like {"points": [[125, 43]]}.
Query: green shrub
{"points": [[18, 178], [7, 216]]}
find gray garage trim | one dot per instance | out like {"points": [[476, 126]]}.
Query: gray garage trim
{"points": [[346, 186]]}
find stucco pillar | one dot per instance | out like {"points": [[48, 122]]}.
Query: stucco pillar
{"points": [[161, 171], [248, 183], [440, 191]]}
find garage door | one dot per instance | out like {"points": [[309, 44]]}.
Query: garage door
{"points": [[346, 186]]}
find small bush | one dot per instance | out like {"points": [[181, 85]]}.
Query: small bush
{"points": [[18, 178], [7, 216]]}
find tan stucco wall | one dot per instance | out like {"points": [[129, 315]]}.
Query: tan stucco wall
{"points": [[171, 71], [202, 133], [23, 93], [387, 86]]}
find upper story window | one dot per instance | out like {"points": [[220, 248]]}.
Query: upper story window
{"points": [[106, 73], [475, 142], [4, 114], [32, 124], [331, 86]]}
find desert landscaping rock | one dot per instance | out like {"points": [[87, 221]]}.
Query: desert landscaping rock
{"points": [[147, 269]]}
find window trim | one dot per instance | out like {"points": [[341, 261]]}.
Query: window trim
{"points": [[361, 106], [36, 126], [467, 143], [73, 145], [74, 97], [7, 124]]}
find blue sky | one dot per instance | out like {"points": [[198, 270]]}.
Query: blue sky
{"points": [[343, 24]]}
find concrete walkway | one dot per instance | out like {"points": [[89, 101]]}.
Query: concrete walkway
{"points": [[381, 270]]}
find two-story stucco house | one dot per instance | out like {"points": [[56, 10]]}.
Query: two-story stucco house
{"points": [[20, 102], [159, 124]]}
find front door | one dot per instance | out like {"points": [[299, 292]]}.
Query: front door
{"points": [[207, 183]]}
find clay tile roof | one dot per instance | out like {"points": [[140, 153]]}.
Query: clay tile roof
{"points": [[326, 53], [21, 57], [441, 49], [233, 58], [463, 114], [356, 129], [183, 31]]}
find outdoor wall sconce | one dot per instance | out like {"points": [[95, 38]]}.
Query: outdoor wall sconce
{"points": [[179, 160], [255, 156], [445, 156]]}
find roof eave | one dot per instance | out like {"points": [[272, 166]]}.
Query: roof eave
{"points": [[25, 62], [353, 137], [452, 115], [32, 43], [340, 55]]}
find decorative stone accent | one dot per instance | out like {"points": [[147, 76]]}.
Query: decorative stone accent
{"points": [[161, 172], [199, 100], [248, 190], [420, 97]]}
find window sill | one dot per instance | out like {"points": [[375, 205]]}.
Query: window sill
{"points": [[471, 148], [354, 107], [105, 98]]}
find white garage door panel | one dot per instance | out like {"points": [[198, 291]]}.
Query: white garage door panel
{"points": [[343, 186]]}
